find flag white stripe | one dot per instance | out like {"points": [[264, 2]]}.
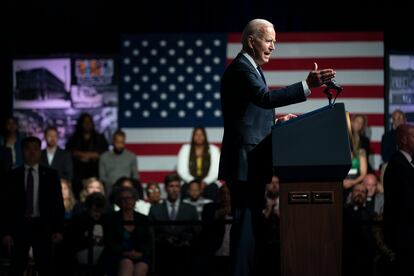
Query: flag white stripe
{"points": [[374, 133], [344, 77], [319, 49], [375, 160], [169, 163], [352, 105], [157, 163], [169, 135], [183, 135]]}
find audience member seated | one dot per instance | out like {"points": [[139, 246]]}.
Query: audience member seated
{"points": [[359, 166], [118, 162], [85, 233], [214, 243], [69, 200], [90, 185], [358, 124], [199, 160], [375, 199], [34, 216], [358, 241], [388, 140], [153, 193], [141, 206], [86, 146], [173, 242], [11, 138], [195, 199], [55, 157], [398, 201], [129, 236]]}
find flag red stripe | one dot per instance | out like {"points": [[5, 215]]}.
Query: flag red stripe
{"points": [[157, 176], [375, 147], [173, 149], [353, 91], [144, 149], [154, 149], [319, 37], [376, 120], [353, 63]]}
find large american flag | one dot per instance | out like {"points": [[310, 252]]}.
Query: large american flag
{"points": [[170, 84]]}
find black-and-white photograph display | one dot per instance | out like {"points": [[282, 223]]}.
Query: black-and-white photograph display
{"points": [[401, 84], [41, 83], [54, 92]]}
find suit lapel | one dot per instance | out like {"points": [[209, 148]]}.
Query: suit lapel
{"points": [[252, 68], [164, 212], [55, 158]]}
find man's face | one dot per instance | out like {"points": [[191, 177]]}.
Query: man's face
{"points": [[31, 153], [51, 138], [194, 191], [263, 45], [273, 186], [173, 190], [397, 119], [370, 183], [119, 143], [359, 195]]}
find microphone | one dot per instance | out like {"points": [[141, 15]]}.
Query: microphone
{"points": [[333, 85]]}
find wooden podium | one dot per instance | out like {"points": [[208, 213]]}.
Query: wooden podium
{"points": [[311, 156]]}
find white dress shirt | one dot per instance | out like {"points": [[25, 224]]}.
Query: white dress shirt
{"points": [[50, 155]]}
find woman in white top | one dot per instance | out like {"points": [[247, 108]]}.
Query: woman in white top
{"points": [[199, 161]]}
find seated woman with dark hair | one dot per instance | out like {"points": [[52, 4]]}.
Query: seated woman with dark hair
{"points": [[129, 236], [199, 161]]}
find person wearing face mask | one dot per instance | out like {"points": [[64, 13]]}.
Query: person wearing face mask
{"points": [[248, 111], [118, 162]]}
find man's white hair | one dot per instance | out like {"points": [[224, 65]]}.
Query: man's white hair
{"points": [[254, 27]]}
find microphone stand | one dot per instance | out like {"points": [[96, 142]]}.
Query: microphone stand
{"points": [[328, 94]]}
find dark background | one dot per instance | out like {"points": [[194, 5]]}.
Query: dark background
{"points": [[58, 27]]}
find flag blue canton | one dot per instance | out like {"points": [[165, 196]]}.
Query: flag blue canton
{"points": [[171, 80]]}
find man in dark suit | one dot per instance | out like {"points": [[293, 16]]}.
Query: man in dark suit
{"points": [[174, 241], [398, 205], [55, 157], [248, 112], [388, 140], [35, 212]]}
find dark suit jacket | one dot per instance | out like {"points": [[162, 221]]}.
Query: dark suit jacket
{"points": [[247, 107], [388, 145], [51, 206], [183, 233], [398, 203], [62, 162]]}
